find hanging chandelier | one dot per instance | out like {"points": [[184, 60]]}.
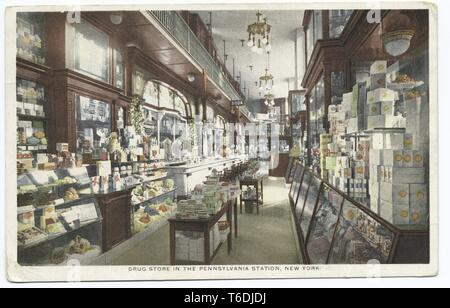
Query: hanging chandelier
{"points": [[269, 99], [266, 81], [258, 34]]}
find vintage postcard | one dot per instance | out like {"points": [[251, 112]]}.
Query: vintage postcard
{"points": [[193, 142]]}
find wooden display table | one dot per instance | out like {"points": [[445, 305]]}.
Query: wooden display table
{"points": [[258, 185], [204, 226]]}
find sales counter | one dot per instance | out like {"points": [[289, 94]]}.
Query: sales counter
{"points": [[187, 176]]}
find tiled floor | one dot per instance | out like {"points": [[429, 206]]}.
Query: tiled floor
{"points": [[266, 238]]}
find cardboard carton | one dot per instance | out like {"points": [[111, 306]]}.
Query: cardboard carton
{"points": [[408, 175], [378, 67], [376, 157], [387, 108], [378, 81], [393, 158], [381, 121], [374, 109], [394, 193], [375, 205], [380, 95], [394, 141]]}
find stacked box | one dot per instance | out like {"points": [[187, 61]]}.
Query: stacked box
{"points": [[325, 140]]}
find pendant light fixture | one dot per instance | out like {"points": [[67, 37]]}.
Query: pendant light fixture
{"points": [[266, 81], [258, 35], [398, 31]]}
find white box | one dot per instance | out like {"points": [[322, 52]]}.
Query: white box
{"points": [[419, 208], [387, 108], [28, 106], [378, 67], [408, 175], [376, 157], [377, 142], [374, 189], [408, 159], [408, 142], [380, 95], [418, 159], [25, 124], [419, 215], [401, 214], [397, 214], [374, 109], [104, 168], [352, 126], [394, 141], [386, 211], [395, 194], [392, 72], [375, 173], [39, 108], [20, 107], [381, 121], [375, 205], [393, 158], [418, 195]]}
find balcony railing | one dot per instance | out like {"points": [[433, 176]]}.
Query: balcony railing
{"points": [[178, 28]]}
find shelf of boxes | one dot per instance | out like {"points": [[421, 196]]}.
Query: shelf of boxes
{"points": [[387, 153]]}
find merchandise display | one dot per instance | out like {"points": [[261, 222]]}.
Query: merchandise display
{"points": [[144, 149]]}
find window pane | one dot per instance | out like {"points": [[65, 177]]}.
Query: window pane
{"points": [[30, 37], [93, 119], [150, 95], [120, 71], [180, 106], [338, 21], [166, 99], [91, 51]]}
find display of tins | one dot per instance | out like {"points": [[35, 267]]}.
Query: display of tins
{"points": [[30, 37]]}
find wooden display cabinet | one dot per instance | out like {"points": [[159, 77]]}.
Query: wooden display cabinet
{"points": [[116, 212]]}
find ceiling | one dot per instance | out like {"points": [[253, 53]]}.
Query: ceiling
{"points": [[231, 26]]}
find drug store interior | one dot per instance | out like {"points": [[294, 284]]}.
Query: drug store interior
{"points": [[160, 137]]}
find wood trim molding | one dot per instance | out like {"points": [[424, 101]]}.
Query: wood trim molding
{"points": [[138, 57]]}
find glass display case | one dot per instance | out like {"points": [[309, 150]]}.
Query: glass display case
{"points": [[301, 194], [58, 218], [290, 171], [338, 21], [317, 120], [91, 51], [296, 181], [334, 229], [360, 238], [153, 201], [310, 205], [323, 225], [93, 120], [31, 103], [30, 38], [296, 102]]}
